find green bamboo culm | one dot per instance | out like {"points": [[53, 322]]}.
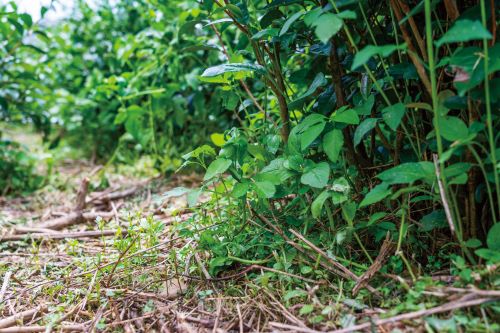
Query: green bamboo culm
{"points": [[489, 118]]}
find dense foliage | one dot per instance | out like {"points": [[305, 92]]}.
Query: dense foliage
{"points": [[346, 120]]}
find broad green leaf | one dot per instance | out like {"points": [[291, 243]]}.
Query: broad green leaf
{"points": [[318, 203], [306, 309], [218, 139], [340, 185], [369, 51], [347, 14], [312, 16], [349, 210], [216, 168], [464, 31], [316, 176], [269, 32], [490, 255], [240, 189], [434, 220], [289, 22], [365, 107], [493, 239], [378, 193], [327, 26], [345, 115], [265, 189], [308, 130], [393, 114], [310, 134], [473, 243], [366, 126], [332, 144], [408, 173], [319, 81], [453, 128]]}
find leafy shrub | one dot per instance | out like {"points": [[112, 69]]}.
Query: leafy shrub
{"points": [[17, 169], [360, 120]]}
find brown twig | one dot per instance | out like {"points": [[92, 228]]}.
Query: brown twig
{"points": [[412, 51], [72, 219], [29, 329], [333, 262], [376, 266], [63, 235], [458, 304], [81, 195], [22, 316]]}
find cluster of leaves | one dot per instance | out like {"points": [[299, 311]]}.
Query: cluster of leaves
{"points": [[17, 169], [360, 119], [20, 93], [120, 78]]}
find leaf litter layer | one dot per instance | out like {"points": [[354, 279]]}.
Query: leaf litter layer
{"points": [[127, 257]]}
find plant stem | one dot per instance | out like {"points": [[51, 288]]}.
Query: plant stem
{"points": [[489, 120]]}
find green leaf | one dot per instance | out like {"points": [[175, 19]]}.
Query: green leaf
{"points": [[289, 22], [318, 203], [309, 129], [316, 176], [216, 168], [240, 189], [327, 26], [319, 81], [453, 128], [306, 269], [233, 68], [434, 220], [393, 114], [294, 293], [365, 107], [369, 51], [378, 193], [366, 126], [310, 134], [473, 243], [493, 239], [265, 189], [408, 173], [490, 255], [218, 139], [306, 309], [464, 31], [345, 115], [332, 144], [312, 16], [349, 210], [340, 185], [269, 32]]}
